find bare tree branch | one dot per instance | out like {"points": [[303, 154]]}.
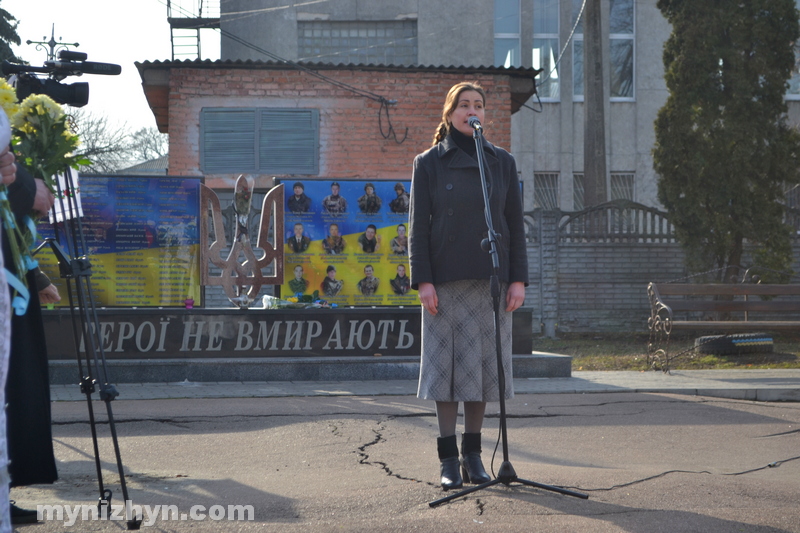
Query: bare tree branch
{"points": [[148, 143], [104, 144]]}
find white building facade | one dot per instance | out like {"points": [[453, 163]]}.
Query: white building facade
{"points": [[547, 132]]}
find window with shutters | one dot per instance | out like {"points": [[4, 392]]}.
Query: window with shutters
{"points": [[259, 140]]}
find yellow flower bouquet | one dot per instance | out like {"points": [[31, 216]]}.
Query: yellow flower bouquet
{"points": [[43, 140], [8, 99], [45, 146]]}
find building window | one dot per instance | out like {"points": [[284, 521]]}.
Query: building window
{"points": [[259, 140], [621, 46], [506, 33], [577, 192], [622, 186], [545, 47], [577, 52], [794, 82], [545, 190], [391, 42]]}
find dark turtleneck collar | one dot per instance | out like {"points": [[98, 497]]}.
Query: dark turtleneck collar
{"points": [[464, 142]]}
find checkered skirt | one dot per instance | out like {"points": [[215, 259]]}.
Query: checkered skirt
{"points": [[459, 356]]}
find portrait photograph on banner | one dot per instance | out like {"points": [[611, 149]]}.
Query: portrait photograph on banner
{"points": [[347, 240]]}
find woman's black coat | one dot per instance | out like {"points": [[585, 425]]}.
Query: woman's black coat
{"points": [[446, 216]]}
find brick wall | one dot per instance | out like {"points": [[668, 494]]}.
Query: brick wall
{"points": [[351, 142]]}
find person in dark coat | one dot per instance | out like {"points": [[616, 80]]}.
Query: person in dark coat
{"points": [[401, 283], [30, 443], [299, 202], [452, 274], [330, 285], [298, 242]]}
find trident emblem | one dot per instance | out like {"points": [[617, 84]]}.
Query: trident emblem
{"points": [[242, 272]]}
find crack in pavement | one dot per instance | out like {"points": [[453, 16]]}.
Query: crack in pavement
{"points": [[785, 433], [774, 464], [364, 459]]}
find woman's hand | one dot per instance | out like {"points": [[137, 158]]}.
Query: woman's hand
{"points": [[8, 169], [428, 297], [515, 296], [49, 295], [44, 200]]}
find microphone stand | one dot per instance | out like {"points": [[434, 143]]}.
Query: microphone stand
{"points": [[506, 475], [75, 267]]}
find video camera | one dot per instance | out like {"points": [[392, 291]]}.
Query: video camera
{"points": [[69, 64]]}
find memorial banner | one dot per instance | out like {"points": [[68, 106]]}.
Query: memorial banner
{"points": [[142, 240], [347, 240]]}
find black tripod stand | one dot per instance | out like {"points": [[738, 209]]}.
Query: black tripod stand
{"points": [[76, 268], [506, 475]]}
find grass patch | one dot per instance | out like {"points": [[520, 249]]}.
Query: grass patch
{"points": [[628, 351]]}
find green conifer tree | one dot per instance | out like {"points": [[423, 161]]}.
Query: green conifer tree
{"points": [[8, 36], [723, 147]]}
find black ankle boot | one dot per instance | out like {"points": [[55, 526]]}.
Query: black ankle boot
{"points": [[22, 516], [471, 466], [448, 455]]}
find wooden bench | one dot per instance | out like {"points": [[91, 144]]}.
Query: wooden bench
{"points": [[733, 308]]}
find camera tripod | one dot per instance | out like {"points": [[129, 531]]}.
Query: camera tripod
{"points": [[75, 267], [506, 475]]}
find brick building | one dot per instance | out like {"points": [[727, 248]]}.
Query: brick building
{"points": [[227, 118]]}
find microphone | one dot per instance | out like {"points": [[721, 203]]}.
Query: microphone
{"points": [[84, 67], [475, 124]]}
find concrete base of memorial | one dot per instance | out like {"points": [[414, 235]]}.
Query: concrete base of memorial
{"points": [[172, 345]]}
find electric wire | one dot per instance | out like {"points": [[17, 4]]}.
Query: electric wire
{"points": [[560, 56], [383, 101]]}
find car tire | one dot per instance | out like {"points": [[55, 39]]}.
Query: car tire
{"points": [[734, 344]]}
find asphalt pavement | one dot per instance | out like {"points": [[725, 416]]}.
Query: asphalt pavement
{"points": [[759, 385], [690, 451]]}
